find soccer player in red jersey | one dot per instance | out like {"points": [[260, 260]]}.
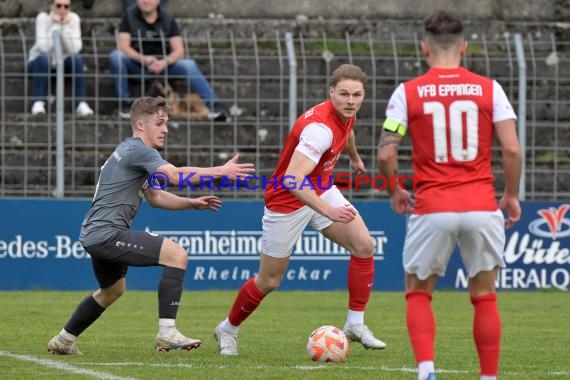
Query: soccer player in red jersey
{"points": [[303, 194], [451, 115]]}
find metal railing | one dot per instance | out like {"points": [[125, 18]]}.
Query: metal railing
{"points": [[253, 76]]}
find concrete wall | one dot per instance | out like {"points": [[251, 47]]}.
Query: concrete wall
{"points": [[507, 10]]}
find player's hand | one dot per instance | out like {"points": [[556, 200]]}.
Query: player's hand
{"points": [[344, 214], [208, 202], [512, 207], [401, 201], [232, 169], [358, 166]]}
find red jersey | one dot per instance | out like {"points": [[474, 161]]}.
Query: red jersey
{"points": [[450, 122], [280, 199]]}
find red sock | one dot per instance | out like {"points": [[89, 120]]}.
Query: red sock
{"points": [[247, 300], [487, 332], [360, 280], [421, 325]]}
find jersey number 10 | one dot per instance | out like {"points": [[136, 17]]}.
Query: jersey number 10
{"points": [[459, 151]]}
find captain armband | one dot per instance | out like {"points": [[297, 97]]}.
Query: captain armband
{"points": [[394, 127]]}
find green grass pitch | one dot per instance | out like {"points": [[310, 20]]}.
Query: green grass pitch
{"points": [[535, 344]]}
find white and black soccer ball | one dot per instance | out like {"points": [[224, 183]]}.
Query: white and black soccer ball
{"points": [[327, 344]]}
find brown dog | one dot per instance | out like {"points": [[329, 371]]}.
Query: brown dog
{"points": [[180, 106]]}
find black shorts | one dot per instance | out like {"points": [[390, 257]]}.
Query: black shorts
{"points": [[125, 248]]}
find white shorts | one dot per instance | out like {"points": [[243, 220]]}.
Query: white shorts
{"points": [[431, 239], [282, 231]]}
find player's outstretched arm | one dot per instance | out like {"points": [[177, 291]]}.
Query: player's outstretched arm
{"points": [[168, 201], [231, 169]]}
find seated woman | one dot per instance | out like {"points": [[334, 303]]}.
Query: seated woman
{"points": [[42, 57]]}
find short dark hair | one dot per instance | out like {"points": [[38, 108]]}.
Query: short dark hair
{"points": [[147, 105], [444, 28], [347, 71]]}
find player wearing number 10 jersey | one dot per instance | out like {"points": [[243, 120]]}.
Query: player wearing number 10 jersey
{"points": [[452, 159], [452, 115]]}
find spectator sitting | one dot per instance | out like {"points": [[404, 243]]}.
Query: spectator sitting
{"points": [[129, 3], [42, 58], [162, 53]]}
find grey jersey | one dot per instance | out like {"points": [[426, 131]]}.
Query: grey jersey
{"points": [[119, 191]]}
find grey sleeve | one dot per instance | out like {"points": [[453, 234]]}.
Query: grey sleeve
{"points": [[146, 159]]}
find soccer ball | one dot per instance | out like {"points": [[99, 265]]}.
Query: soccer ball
{"points": [[327, 344]]}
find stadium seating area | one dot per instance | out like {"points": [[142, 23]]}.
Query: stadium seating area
{"points": [[248, 66]]}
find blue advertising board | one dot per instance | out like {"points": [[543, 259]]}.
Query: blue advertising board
{"points": [[39, 248]]}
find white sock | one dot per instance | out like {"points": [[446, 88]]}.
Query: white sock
{"points": [[355, 317], [488, 377], [165, 325], [424, 369], [67, 336], [228, 327]]}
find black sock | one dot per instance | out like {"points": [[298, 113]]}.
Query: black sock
{"points": [[84, 315], [170, 292]]}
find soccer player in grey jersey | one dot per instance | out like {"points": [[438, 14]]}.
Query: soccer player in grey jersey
{"points": [[106, 235]]}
